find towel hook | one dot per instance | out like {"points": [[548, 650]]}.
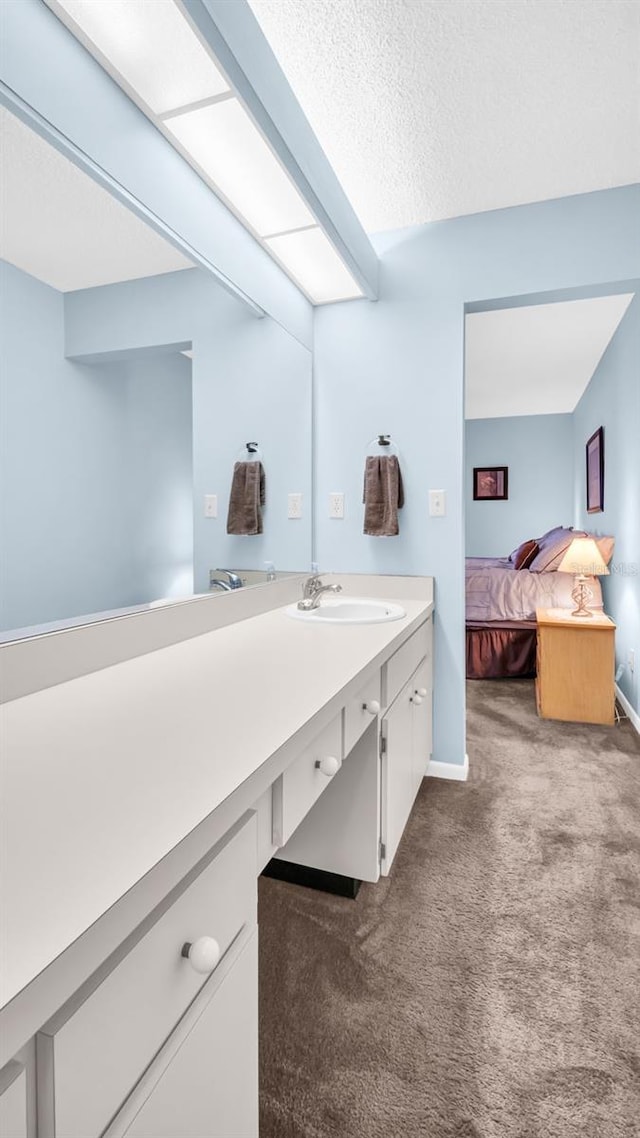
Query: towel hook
{"points": [[384, 440], [252, 447]]}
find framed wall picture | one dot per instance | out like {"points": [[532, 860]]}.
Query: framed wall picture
{"points": [[595, 472], [490, 483]]}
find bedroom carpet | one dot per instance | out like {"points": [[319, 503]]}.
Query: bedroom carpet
{"points": [[489, 988]]}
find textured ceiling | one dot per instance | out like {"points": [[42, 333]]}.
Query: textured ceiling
{"points": [[61, 227], [536, 360], [430, 109]]}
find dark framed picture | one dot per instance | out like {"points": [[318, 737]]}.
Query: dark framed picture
{"points": [[595, 472], [490, 483]]}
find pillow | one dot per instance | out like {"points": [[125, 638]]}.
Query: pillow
{"points": [[524, 554], [605, 545], [548, 536], [551, 533], [552, 548]]}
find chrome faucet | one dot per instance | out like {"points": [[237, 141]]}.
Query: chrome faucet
{"points": [[218, 583], [233, 581], [312, 591]]}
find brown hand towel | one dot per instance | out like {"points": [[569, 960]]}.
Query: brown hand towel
{"points": [[246, 498], [383, 495]]}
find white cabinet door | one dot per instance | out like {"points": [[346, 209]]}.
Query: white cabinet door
{"points": [[398, 779], [204, 1081], [422, 722], [406, 731]]}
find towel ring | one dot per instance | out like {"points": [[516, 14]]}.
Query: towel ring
{"points": [[250, 452], [382, 445]]}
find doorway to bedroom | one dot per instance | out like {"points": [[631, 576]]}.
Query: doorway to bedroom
{"points": [[546, 378]]}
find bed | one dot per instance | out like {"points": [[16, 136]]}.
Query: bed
{"points": [[502, 595]]}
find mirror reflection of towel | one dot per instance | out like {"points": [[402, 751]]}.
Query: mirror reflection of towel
{"points": [[246, 498], [383, 495]]}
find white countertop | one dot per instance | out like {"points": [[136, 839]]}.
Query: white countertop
{"points": [[103, 775]]}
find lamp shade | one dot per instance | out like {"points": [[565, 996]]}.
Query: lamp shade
{"points": [[583, 557]]}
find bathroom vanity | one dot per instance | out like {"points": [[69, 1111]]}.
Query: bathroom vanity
{"points": [[140, 803]]}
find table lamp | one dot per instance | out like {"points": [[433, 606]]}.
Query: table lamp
{"points": [[583, 559]]}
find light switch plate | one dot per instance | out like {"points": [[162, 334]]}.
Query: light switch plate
{"points": [[211, 505], [294, 509], [437, 503]]}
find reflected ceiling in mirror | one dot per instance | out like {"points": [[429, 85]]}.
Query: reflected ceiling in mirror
{"points": [[131, 383]]}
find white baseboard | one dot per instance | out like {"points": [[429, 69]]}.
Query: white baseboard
{"points": [[457, 771], [634, 718]]}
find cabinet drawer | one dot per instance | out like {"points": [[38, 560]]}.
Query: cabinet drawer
{"points": [[13, 1101], [303, 782], [356, 716], [404, 662], [99, 1044], [204, 1081]]}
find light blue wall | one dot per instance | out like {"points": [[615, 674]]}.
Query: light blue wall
{"points": [[612, 401], [397, 366], [538, 449], [94, 468], [158, 424], [63, 534], [251, 381]]}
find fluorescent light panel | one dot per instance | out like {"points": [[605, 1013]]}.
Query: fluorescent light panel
{"points": [[312, 261], [230, 150], [152, 46]]}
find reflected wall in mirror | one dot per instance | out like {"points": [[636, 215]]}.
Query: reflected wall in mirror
{"points": [[130, 382]]}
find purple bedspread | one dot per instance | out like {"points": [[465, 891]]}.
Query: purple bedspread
{"points": [[496, 591]]}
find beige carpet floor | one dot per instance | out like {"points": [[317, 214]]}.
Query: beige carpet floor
{"points": [[490, 987]]}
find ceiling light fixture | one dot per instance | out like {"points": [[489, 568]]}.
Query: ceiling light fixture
{"points": [[225, 143], [151, 47], [152, 51], [310, 258]]}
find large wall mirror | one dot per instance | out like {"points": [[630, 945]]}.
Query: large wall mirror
{"points": [[131, 383]]}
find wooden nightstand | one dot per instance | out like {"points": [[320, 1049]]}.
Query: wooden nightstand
{"points": [[575, 666]]}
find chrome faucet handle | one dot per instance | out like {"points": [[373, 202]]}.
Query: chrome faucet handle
{"points": [[310, 590], [313, 590], [311, 585]]}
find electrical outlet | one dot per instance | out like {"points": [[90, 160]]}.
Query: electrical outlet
{"points": [[437, 503], [631, 660], [211, 505], [294, 509], [336, 505]]}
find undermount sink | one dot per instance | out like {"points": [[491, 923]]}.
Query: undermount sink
{"points": [[348, 610]]}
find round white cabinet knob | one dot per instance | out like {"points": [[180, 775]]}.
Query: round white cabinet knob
{"points": [[329, 765], [203, 954], [372, 706], [421, 692], [416, 699]]}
